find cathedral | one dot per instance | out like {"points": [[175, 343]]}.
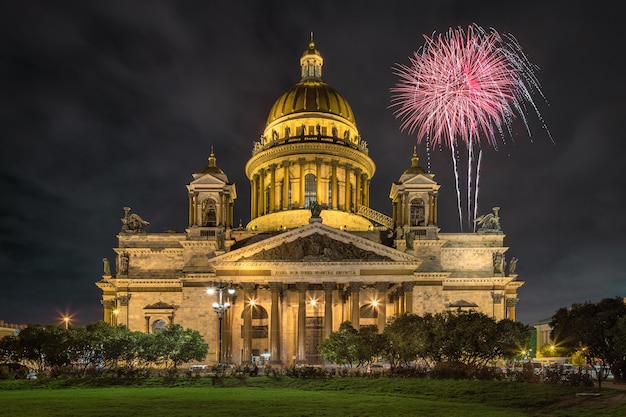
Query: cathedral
{"points": [[313, 255]]}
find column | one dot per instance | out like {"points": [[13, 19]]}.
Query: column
{"points": [[382, 287], [366, 190], [275, 289], [355, 316], [248, 294], [272, 187], [227, 333], [347, 187], [333, 203], [191, 217], [302, 287], [318, 182], [261, 207], [510, 308], [408, 286], [221, 209], [253, 197], [109, 306], [123, 302], [147, 324], [329, 287], [498, 313], [357, 191], [301, 191], [285, 166]]}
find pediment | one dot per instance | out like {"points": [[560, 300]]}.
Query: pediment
{"points": [[420, 180], [208, 179], [159, 305], [315, 243]]}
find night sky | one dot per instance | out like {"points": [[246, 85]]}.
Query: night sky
{"points": [[116, 103]]}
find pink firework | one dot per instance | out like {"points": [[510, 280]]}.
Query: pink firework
{"points": [[465, 86]]}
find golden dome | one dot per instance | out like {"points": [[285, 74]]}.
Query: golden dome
{"points": [[414, 169], [213, 169], [311, 95]]}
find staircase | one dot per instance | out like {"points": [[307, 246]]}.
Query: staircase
{"points": [[375, 216]]}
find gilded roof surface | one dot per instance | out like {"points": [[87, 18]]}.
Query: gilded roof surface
{"points": [[311, 95]]}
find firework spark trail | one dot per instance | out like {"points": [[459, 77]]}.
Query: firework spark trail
{"points": [[467, 86], [480, 157]]}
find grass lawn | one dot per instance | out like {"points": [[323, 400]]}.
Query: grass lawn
{"points": [[264, 396]]}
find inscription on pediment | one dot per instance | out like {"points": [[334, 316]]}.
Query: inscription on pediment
{"points": [[316, 248]]}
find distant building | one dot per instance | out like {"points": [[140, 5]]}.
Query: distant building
{"points": [[8, 329], [314, 254]]}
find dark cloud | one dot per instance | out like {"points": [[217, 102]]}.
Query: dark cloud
{"points": [[117, 103]]}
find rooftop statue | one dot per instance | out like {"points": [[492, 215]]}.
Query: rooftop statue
{"points": [[316, 209], [132, 223], [490, 222]]}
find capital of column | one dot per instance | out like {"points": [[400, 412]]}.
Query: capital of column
{"points": [[285, 164], [355, 286], [329, 286], [510, 302], [497, 298], [123, 299], [382, 286], [407, 286], [318, 161], [248, 286], [275, 287], [302, 286]]}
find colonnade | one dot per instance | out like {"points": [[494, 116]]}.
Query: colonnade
{"points": [[278, 187], [224, 206], [393, 298]]}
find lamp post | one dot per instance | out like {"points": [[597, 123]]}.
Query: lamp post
{"points": [[220, 307], [66, 319]]}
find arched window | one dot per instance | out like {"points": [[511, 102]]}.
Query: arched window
{"points": [[309, 190], [209, 213], [158, 326], [417, 213]]}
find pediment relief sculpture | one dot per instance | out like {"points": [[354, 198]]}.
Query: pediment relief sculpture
{"points": [[316, 248]]}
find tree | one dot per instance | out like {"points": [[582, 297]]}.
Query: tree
{"points": [[409, 338], [340, 347], [186, 345], [592, 327]]}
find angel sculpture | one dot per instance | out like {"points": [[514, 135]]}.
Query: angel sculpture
{"points": [[132, 223], [490, 222]]}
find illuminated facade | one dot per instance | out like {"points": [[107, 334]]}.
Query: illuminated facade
{"points": [[314, 254]]}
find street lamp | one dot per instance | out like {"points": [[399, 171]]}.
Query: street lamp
{"points": [[220, 307], [66, 319]]}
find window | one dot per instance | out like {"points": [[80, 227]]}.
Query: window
{"points": [[417, 212], [158, 326], [310, 184], [209, 218]]}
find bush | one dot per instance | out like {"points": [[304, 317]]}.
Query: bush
{"points": [[13, 371], [452, 370]]}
